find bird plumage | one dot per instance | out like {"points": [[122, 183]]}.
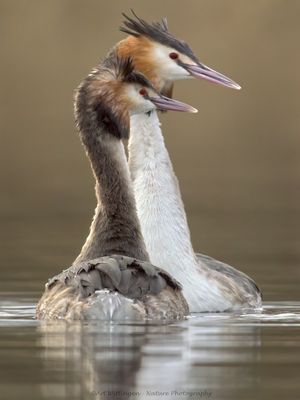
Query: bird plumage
{"points": [[208, 284], [111, 288], [112, 277]]}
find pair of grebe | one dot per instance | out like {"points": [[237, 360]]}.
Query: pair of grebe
{"points": [[138, 261]]}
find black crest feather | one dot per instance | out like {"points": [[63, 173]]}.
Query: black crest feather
{"points": [[124, 70], [157, 31], [120, 67]]}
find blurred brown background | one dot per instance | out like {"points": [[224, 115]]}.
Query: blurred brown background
{"points": [[237, 160]]}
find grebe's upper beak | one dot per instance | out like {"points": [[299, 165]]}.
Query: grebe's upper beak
{"points": [[164, 103], [201, 71]]}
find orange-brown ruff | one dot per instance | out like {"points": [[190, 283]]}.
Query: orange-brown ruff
{"points": [[138, 48]]}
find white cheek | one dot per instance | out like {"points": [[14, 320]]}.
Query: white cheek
{"points": [[168, 69], [141, 105]]}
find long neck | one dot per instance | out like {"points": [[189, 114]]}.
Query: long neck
{"points": [[115, 228], [158, 199]]}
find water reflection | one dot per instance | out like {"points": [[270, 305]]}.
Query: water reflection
{"points": [[108, 356], [218, 356], [113, 360]]}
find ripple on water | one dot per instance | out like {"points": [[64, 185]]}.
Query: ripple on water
{"points": [[18, 308], [272, 313]]}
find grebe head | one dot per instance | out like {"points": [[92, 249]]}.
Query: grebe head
{"points": [[113, 92], [161, 56]]}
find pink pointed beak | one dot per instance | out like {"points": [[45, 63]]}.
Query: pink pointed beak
{"points": [[201, 71], [164, 103]]}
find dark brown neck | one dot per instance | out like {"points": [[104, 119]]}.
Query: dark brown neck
{"points": [[115, 228]]}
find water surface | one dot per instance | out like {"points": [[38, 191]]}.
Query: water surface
{"points": [[219, 356]]}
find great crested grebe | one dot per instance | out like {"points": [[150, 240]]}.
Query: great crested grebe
{"points": [[114, 279], [208, 284]]}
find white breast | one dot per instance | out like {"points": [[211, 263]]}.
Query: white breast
{"points": [[162, 216]]}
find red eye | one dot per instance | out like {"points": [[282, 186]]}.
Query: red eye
{"points": [[143, 92], [173, 56]]}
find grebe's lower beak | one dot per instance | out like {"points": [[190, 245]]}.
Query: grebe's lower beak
{"points": [[201, 71], [163, 103]]}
